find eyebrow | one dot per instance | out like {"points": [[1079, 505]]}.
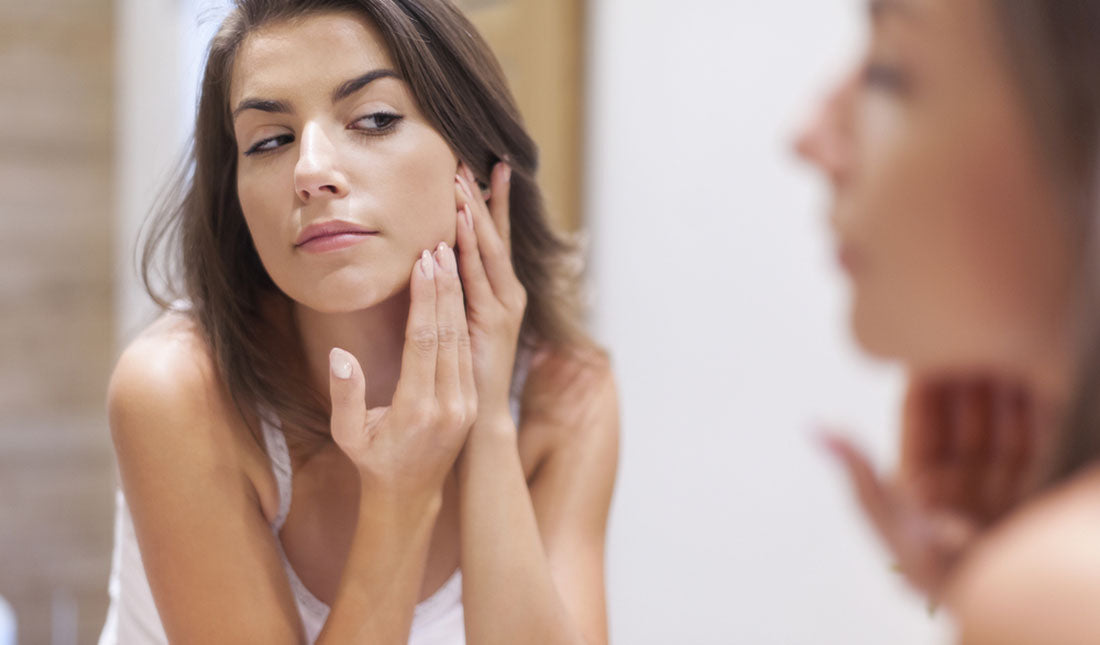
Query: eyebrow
{"points": [[345, 89]]}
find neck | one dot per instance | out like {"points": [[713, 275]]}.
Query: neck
{"points": [[375, 336]]}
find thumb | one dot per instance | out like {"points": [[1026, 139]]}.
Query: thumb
{"points": [[347, 388], [873, 495]]}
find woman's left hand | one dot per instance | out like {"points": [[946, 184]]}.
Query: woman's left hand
{"points": [[495, 298]]}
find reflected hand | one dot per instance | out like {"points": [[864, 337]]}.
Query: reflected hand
{"points": [[968, 456]]}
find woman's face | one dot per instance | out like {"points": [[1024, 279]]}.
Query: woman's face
{"points": [[942, 213], [328, 133]]}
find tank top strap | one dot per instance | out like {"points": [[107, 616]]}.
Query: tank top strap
{"points": [[277, 452], [524, 356]]}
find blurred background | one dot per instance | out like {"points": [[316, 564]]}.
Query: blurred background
{"points": [[666, 131]]}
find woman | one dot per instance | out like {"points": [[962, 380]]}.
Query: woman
{"points": [[963, 160], [320, 443]]}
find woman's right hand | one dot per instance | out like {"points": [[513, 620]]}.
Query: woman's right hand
{"points": [[968, 456], [406, 449]]}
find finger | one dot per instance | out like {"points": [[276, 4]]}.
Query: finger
{"points": [[1009, 440], [495, 256], [474, 280], [1028, 450], [925, 430], [347, 389], [499, 206], [972, 438], [451, 324], [973, 416], [421, 336], [871, 493]]}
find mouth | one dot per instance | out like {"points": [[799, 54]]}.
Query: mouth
{"points": [[334, 233]]}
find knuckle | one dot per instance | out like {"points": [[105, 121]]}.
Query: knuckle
{"points": [[423, 415], [454, 412], [447, 336], [464, 339], [424, 338], [517, 298]]}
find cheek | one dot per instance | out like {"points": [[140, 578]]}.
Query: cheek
{"points": [[264, 214], [964, 256], [419, 195]]}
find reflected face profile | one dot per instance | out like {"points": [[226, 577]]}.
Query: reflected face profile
{"points": [[328, 133], [945, 218]]}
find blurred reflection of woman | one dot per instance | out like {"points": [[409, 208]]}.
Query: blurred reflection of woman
{"points": [[371, 415], [963, 155]]}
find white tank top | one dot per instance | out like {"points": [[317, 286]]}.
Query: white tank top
{"points": [[132, 617]]}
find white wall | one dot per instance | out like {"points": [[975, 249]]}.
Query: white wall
{"points": [[161, 45], [715, 289]]}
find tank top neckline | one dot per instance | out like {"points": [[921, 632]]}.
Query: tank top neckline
{"points": [[279, 456]]}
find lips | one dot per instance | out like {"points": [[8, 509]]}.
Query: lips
{"points": [[331, 228]]}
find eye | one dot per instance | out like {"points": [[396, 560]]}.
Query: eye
{"points": [[884, 77], [377, 123], [269, 144]]}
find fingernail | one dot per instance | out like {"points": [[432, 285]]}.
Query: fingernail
{"points": [[440, 251], [447, 259], [507, 173], [340, 363], [427, 265]]}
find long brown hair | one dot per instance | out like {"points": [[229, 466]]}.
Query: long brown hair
{"points": [[1054, 49], [212, 262]]}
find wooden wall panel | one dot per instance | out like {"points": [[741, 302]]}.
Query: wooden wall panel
{"points": [[540, 44], [56, 331]]}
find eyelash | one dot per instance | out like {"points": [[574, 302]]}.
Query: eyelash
{"points": [[389, 120]]}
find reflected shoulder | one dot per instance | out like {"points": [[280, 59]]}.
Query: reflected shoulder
{"points": [[1034, 579]]}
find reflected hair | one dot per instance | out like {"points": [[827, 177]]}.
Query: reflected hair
{"points": [[1055, 54], [200, 242]]}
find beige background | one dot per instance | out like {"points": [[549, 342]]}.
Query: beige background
{"points": [[59, 255], [540, 45]]}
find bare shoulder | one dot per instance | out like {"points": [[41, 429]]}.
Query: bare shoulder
{"points": [[202, 526], [166, 401], [571, 393], [1033, 580], [166, 373]]}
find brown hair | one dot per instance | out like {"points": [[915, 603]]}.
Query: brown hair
{"points": [[457, 82], [1055, 51]]}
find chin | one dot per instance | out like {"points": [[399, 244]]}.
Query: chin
{"points": [[870, 338], [882, 334], [916, 345], [333, 296]]}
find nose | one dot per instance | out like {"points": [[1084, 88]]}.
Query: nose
{"points": [[317, 174], [826, 140]]}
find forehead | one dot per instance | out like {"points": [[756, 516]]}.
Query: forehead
{"points": [[315, 51]]}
